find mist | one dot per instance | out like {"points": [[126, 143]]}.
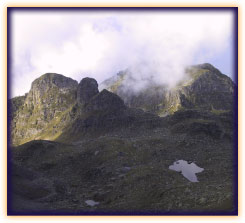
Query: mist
{"points": [[155, 46]]}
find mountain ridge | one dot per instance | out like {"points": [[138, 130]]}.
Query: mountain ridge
{"points": [[48, 108], [203, 78], [73, 145]]}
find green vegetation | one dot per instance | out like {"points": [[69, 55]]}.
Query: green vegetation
{"points": [[217, 111], [114, 87]]}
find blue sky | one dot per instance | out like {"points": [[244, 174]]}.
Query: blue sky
{"points": [[99, 44], [224, 60]]}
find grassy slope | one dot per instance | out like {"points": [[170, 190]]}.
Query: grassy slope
{"points": [[127, 171]]}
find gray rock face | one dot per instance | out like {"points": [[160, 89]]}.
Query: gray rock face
{"points": [[204, 87], [56, 103], [47, 101], [210, 90], [105, 100], [87, 88], [49, 87], [15, 104]]}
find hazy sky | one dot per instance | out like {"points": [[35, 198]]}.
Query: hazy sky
{"points": [[99, 44]]}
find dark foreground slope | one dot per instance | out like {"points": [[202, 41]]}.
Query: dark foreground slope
{"points": [[127, 171]]}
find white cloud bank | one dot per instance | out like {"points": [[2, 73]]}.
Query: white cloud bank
{"points": [[99, 44]]}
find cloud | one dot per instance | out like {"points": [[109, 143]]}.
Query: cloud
{"points": [[99, 44]]}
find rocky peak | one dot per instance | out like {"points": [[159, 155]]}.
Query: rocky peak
{"points": [[49, 99], [105, 100], [49, 86], [204, 86], [206, 66], [55, 101], [50, 80], [54, 78], [87, 88]]}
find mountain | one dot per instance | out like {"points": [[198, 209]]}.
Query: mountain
{"points": [[77, 150], [204, 87], [41, 113], [58, 108]]}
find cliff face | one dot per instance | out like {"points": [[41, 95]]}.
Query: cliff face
{"points": [[58, 107], [207, 88], [204, 87], [87, 88], [42, 109]]}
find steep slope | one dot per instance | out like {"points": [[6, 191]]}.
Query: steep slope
{"points": [[58, 108], [15, 104], [204, 87], [104, 113], [40, 115]]}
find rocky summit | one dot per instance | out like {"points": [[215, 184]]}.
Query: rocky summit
{"points": [[204, 87], [87, 88], [79, 151], [39, 114]]}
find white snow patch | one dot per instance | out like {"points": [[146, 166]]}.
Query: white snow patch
{"points": [[188, 170]]}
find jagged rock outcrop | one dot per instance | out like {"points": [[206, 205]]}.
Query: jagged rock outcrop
{"points": [[105, 101], [87, 88], [49, 91], [209, 89], [204, 87], [15, 105], [57, 106], [103, 114], [40, 113]]}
